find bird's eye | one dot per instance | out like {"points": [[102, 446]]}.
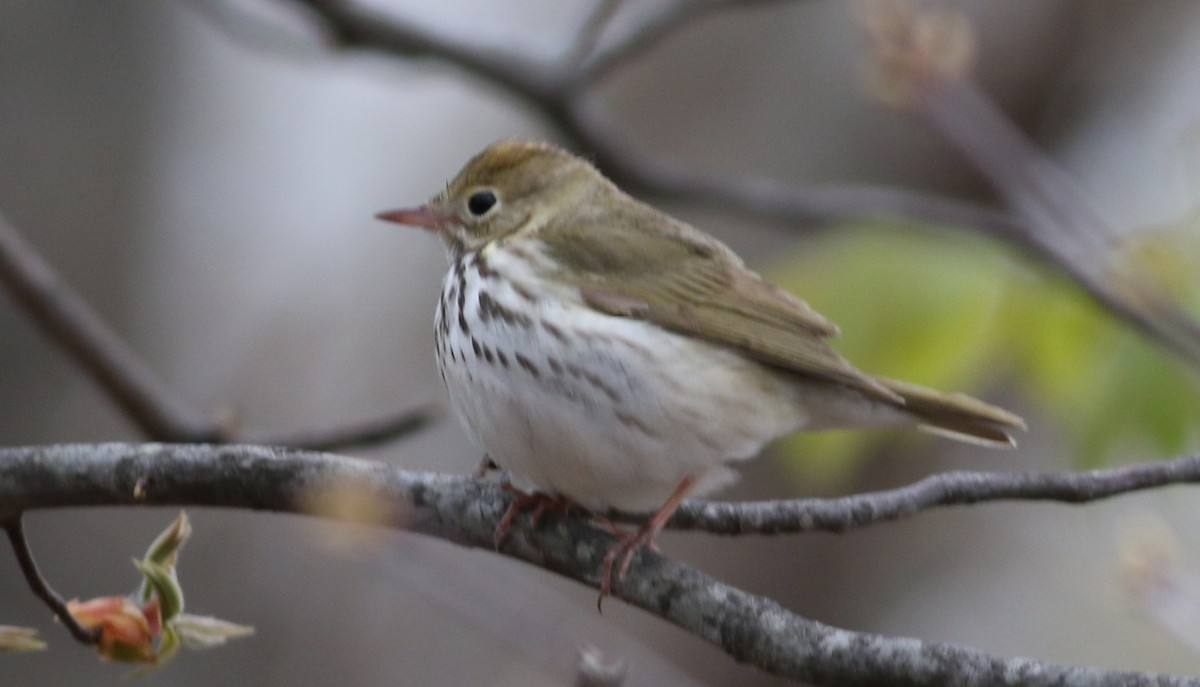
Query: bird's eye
{"points": [[479, 203]]}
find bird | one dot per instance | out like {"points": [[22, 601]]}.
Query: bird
{"points": [[607, 355]]}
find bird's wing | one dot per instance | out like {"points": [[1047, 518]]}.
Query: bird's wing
{"points": [[696, 287]]}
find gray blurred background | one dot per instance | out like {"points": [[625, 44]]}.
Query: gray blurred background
{"points": [[209, 186]]}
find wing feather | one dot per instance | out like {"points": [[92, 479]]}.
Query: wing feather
{"points": [[689, 284]]}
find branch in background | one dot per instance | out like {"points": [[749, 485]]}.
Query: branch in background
{"points": [[1060, 222], [588, 36], [361, 434], [749, 628], [352, 26], [121, 374], [651, 30], [923, 60], [920, 47], [15, 530], [68, 320]]}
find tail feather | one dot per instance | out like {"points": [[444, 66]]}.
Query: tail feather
{"points": [[957, 416]]}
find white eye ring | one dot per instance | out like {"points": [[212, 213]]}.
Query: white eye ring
{"points": [[481, 202]]}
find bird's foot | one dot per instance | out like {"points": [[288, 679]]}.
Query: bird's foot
{"points": [[537, 502], [629, 543], [486, 464]]}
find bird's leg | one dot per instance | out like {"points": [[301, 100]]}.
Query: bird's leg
{"points": [[522, 501], [558, 504], [485, 464], [643, 538]]}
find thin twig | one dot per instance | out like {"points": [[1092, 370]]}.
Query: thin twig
{"points": [[1060, 222], [651, 31], [16, 536], [805, 206], [946, 489], [358, 434], [68, 320], [751, 629], [922, 63], [354, 26]]}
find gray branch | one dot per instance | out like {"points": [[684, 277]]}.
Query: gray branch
{"points": [[749, 628], [946, 489], [67, 320]]}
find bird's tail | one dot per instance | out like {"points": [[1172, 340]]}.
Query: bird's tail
{"points": [[957, 416]]}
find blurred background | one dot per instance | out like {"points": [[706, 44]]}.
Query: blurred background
{"points": [[205, 173]]}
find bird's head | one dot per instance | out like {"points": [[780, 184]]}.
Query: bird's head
{"points": [[510, 187]]}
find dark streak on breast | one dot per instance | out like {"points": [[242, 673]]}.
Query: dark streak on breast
{"points": [[631, 421], [528, 365]]}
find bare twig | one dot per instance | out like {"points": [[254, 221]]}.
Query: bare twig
{"points": [[15, 530], [923, 60], [360, 434], [806, 206], [1060, 223], [561, 97], [651, 30], [946, 489], [354, 26], [749, 628], [124, 377]]}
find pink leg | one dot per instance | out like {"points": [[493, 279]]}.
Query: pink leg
{"points": [[484, 465], [642, 539], [558, 504], [538, 501]]}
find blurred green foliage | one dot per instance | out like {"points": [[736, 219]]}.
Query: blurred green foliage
{"points": [[960, 313]]}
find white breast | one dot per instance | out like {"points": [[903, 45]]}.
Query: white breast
{"points": [[609, 411]]}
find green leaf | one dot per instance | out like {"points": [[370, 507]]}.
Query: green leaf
{"points": [[958, 313], [167, 544], [908, 307], [164, 550], [162, 580]]}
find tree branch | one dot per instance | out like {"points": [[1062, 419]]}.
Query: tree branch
{"points": [[590, 31], [459, 509], [354, 26], [363, 433], [651, 31], [946, 489], [1060, 224], [69, 322]]}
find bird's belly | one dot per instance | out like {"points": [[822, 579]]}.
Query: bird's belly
{"points": [[611, 412]]}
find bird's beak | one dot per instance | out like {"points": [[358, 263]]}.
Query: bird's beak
{"points": [[423, 216]]}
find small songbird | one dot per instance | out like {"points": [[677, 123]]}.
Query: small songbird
{"points": [[606, 354]]}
